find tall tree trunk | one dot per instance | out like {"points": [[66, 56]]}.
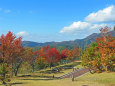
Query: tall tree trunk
{"points": [[3, 80], [51, 65], [11, 69], [106, 68], [16, 71], [17, 68], [32, 67]]}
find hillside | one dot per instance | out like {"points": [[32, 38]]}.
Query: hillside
{"points": [[78, 42]]}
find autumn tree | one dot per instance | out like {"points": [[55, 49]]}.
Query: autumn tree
{"points": [[41, 54], [18, 62], [30, 57], [48, 55], [53, 56], [91, 57], [76, 53], [106, 46], [71, 55], [63, 54], [101, 54], [10, 48], [41, 62]]}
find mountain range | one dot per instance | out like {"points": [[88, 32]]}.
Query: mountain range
{"points": [[78, 42]]}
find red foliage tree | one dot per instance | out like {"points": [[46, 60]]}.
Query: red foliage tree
{"points": [[64, 53], [10, 48], [53, 56], [75, 52]]}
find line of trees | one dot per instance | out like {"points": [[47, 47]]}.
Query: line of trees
{"points": [[13, 55], [52, 56]]}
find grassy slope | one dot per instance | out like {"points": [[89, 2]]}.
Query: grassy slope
{"points": [[102, 79], [38, 79], [63, 71]]}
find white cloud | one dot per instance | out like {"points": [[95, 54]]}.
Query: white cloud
{"points": [[22, 33], [97, 26], [82, 28], [105, 15], [75, 26], [92, 23], [7, 11]]}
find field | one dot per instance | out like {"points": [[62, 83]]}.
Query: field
{"points": [[43, 79]]}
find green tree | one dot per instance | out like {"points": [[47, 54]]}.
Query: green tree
{"points": [[91, 57]]}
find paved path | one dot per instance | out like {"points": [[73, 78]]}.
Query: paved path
{"points": [[76, 73]]}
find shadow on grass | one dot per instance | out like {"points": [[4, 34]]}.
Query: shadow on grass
{"points": [[10, 84], [39, 79], [50, 71], [16, 83], [60, 68], [35, 76]]}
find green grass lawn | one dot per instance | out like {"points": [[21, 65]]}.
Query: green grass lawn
{"points": [[101, 79], [44, 79]]}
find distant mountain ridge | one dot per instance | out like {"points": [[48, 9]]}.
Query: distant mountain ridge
{"points": [[78, 42]]}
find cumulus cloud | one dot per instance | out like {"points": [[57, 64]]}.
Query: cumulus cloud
{"points": [[92, 23], [75, 26], [7, 11], [105, 15], [82, 28], [22, 33], [79, 26]]}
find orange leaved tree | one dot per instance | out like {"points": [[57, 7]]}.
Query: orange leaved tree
{"points": [[106, 45]]}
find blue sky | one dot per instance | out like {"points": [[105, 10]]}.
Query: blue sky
{"points": [[55, 20]]}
